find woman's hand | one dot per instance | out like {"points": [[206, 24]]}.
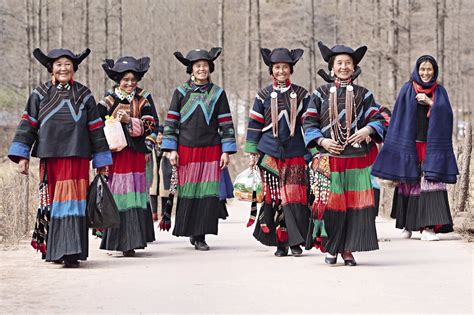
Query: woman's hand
{"points": [[359, 136], [123, 116], [102, 170], [424, 99], [224, 160], [23, 166], [174, 158], [331, 146], [253, 159]]}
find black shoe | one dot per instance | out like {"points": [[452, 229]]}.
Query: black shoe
{"points": [[330, 260], [281, 251], [350, 262], [192, 240], [296, 250], [129, 253], [71, 263], [201, 245]]}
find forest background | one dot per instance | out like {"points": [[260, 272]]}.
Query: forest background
{"points": [[395, 31]]}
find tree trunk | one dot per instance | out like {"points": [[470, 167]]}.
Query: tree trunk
{"points": [[106, 40], [379, 53], [248, 55], [440, 40], [87, 38], [221, 43], [312, 52], [61, 23], [29, 48], [336, 30], [48, 33], [38, 34], [259, 44], [120, 28], [464, 178], [394, 43]]}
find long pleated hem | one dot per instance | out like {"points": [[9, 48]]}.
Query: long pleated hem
{"points": [[351, 230], [67, 236], [197, 216], [296, 220], [131, 234], [425, 209]]}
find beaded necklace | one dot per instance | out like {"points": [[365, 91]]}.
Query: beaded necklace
{"points": [[340, 133]]}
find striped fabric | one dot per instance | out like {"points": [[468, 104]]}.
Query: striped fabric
{"points": [[199, 172], [68, 180], [351, 186], [127, 179]]}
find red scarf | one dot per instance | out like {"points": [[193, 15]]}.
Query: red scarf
{"points": [[431, 90]]}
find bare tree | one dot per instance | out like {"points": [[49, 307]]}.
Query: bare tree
{"points": [[221, 33], [259, 42], [106, 35], [440, 28], [87, 37], [120, 14], [248, 59], [61, 23]]}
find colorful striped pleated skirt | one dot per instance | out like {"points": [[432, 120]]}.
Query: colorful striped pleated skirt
{"points": [[350, 213], [198, 207], [423, 204], [68, 180], [127, 182]]}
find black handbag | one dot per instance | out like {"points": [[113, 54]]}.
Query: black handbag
{"points": [[102, 211]]}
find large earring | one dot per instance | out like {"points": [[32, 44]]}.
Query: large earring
{"points": [[332, 72], [193, 78], [53, 79]]}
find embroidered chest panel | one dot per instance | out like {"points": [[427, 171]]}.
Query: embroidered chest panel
{"points": [[206, 100], [283, 103], [53, 101]]}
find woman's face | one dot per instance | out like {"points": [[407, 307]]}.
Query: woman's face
{"points": [[281, 71], [128, 82], [201, 71], [63, 70], [426, 71], [343, 66], [159, 138]]}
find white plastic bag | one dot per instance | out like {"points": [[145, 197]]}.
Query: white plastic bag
{"points": [[114, 134], [247, 182]]}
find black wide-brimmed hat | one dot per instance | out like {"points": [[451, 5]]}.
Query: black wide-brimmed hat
{"points": [[281, 55], [198, 54], [47, 60], [356, 55], [116, 70]]}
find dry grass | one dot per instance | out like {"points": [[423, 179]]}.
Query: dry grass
{"points": [[18, 202]]}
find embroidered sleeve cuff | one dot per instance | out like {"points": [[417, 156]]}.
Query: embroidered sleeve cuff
{"points": [[101, 159], [250, 147], [229, 147], [169, 145], [310, 135], [377, 128], [18, 151]]}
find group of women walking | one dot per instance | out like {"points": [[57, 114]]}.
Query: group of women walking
{"points": [[314, 151]]}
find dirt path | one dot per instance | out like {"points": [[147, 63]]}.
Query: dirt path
{"points": [[240, 275]]}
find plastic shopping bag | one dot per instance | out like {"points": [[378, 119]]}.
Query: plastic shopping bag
{"points": [[246, 183], [114, 134]]}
